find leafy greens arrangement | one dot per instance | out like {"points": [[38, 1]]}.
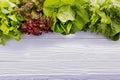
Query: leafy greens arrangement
{"points": [[62, 16], [100, 16]]}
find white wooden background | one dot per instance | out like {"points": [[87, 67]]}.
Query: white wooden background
{"points": [[83, 53]]}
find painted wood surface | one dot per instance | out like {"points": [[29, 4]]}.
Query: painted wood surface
{"points": [[82, 53]]}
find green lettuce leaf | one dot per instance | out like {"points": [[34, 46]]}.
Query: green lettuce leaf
{"points": [[69, 15]]}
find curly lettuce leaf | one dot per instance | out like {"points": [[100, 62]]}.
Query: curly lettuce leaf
{"points": [[105, 15], [9, 21]]}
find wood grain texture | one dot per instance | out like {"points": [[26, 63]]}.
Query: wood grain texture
{"points": [[83, 53]]}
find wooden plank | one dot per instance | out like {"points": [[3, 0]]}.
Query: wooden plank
{"points": [[59, 67], [61, 77], [37, 44], [51, 55]]}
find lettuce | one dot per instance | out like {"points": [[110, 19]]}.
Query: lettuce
{"points": [[9, 21], [69, 15], [105, 18]]}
